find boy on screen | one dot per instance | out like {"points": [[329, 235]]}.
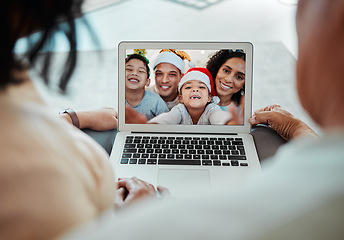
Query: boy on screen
{"points": [[196, 89], [136, 80]]}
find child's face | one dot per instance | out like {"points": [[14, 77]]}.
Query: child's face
{"points": [[136, 75], [194, 94]]}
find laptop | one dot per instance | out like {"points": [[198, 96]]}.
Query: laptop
{"points": [[187, 159]]}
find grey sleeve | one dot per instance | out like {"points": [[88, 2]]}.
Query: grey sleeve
{"points": [[171, 117], [216, 115], [219, 117]]}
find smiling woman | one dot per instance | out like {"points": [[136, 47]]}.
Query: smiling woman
{"points": [[230, 79], [228, 69]]}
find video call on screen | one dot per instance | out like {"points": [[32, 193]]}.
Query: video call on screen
{"points": [[153, 90]]}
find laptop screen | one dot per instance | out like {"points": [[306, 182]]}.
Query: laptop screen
{"points": [[185, 85]]}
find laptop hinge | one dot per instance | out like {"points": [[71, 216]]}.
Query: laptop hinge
{"points": [[186, 133]]}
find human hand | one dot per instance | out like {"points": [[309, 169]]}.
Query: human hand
{"points": [[132, 116], [283, 122], [130, 190], [236, 118], [99, 119]]}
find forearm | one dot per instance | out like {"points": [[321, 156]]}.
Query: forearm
{"points": [[85, 118], [66, 117], [283, 122], [71, 116], [301, 130], [100, 119]]}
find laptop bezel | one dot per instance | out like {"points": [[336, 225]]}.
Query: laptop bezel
{"points": [[156, 128]]}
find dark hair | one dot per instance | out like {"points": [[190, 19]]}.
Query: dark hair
{"points": [[20, 18], [141, 58], [218, 59]]}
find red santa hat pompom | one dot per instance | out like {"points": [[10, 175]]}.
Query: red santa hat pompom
{"points": [[199, 74]]}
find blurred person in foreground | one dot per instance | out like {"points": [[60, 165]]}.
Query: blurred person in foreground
{"points": [[53, 177], [300, 194], [56, 182]]}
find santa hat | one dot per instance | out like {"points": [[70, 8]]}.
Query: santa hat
{"points": [[170, 57], [199, 74], [174, 57]]}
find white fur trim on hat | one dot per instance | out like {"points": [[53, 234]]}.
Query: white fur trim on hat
{"points": [[195, 75], [170, 57]]}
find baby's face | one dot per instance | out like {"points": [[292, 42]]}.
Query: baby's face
{"points": [[194, 94], [136, 75]]}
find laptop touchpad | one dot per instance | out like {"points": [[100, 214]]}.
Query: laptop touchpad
{"points": [[184, 182]]}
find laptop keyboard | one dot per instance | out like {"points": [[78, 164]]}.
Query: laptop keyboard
{"points": [[201, 151]]}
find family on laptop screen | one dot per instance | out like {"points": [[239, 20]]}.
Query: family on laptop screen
{"points": [[166, 87]]}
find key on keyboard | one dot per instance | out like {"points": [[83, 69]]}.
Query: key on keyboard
{"points": [[204, 151]]}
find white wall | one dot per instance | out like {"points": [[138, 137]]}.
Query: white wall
{"points": [[231, 20]]}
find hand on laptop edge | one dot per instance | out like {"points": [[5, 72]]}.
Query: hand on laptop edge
{"points": [[283, 122]]}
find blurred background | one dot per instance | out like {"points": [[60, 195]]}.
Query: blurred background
{"points": [[268, 24]]}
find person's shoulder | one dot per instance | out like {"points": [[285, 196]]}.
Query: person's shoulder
{"points": [[212, 106], [152, 95], [152, 89], [41, 126], [157, 100], [309, 152], [49, 153], [54, 131], [179, 106]]}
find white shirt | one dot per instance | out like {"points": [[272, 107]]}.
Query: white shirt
{"points": [[299, 196]]}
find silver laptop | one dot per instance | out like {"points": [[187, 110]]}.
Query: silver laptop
{"points": [[187, 159]]}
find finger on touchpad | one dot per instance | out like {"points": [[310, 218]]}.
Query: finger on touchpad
{"points": [[184, 182]]}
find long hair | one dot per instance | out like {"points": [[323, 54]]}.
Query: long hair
{"points": [[44, 18], [218, 59]]}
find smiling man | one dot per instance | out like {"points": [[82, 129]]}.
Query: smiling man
{"points": [[168, 70]]}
